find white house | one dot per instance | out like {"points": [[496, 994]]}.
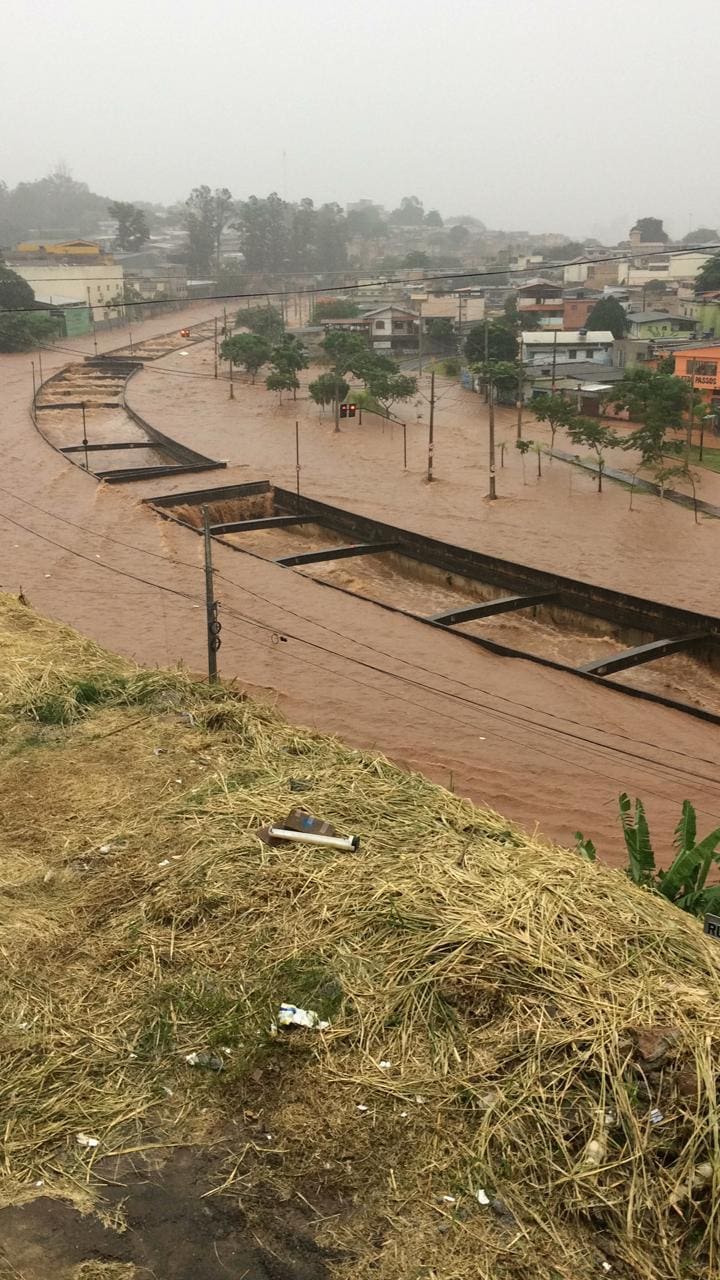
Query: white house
{"points": [[541, 347], [392, 328]]}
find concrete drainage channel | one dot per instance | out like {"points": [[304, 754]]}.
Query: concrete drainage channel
{"points": [[82, 412], [672, 655]]}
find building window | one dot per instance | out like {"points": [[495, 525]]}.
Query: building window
{"points": [[379, 324], [706, 368], [572, 355]]}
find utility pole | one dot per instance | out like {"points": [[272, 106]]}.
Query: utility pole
{"points": [[40, 365], [691, 419], [232, 385], [491, 438], [131, 341], [215, 348], [337, 401], [431, 434], [297, 463], [32, 362], [521, 386], [211, 607], [420, 338], [91, 309], [85, 439], [487, 348], [554, 359]]}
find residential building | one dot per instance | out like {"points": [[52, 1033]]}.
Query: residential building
{"points": [[667, 267], [576, 310], [580, 381], [541, 348], [393, 328], [705, 311], [73, 270], [595, 274], [701, 365], [657, 324], [541, 300], [72, 318], [462, 306]]}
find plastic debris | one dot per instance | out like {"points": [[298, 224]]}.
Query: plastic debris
{"points": [[419, 1099], [594, 1154], [448, 1200], [86, 1141], [361, 1107], [656, 1116], [403, 1115], [606, 1266], [481, 1196], [290, 1015], [165, 862], [385, 1065], [40, 1183], [105, 848], [207, 1060], [159, 751], [301, 828]]}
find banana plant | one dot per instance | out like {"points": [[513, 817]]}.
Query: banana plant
{"points": [[684, 882]]}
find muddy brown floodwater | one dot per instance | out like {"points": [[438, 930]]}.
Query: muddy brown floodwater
{"points": [[544, 747]]}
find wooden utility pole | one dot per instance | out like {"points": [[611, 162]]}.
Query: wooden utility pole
{"points": [[691, 418], [85, 439], [486, 358], [40, 365], [91, 309], [297, 462], [491, 438], [420, 338], [32, 362], [521, 388], [337, 401], [554, 360], [431, 433], [215, 348], [232, 385], [211, 608]]}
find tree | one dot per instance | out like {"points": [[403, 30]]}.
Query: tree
{"points": [[595, 435], [14, 291], [207, 213], [334, 309], [658, 401], [501, 345], [556, 411], [440, 329], [267, 322], [20, 326], [128, 299], [416, 259], [328, 388], [409, 214], [345, 350], [608, 314], [702, 235], [458, 236], [651, 231], [247, 349], [288, 358], [132, 228], [433, 219], [389, 388], [282, 380], [708, 277]]}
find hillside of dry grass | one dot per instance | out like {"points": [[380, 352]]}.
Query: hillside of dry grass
{"points": [[504, 1018]]}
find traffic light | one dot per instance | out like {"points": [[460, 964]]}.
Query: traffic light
{"points": [[348, 410], [343, 411], [351, 410]]}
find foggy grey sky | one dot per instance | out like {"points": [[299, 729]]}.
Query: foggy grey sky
{"points": [[552, 115]]}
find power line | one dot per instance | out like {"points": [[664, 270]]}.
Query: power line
{"points": [[373, 649], [371, 284]]}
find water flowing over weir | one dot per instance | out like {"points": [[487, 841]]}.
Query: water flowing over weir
{"points": [[650, 649], [82, 412]]}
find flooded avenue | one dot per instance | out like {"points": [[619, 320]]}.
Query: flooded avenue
{"points": [[537, 744]]}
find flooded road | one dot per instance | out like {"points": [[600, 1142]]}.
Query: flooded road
{"points": [[543, 747]]}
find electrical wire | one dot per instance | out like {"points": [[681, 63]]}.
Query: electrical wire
{"points": [[382, 653], [412, 280]]}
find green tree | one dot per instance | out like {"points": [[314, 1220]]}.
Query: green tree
{"points": [[289, 357], [267, 322], [282, 380], [702, 235], [132, 227], [14, 291], [416, 259], [658, 402], [389, 388], [207, 213], [708, 277], [433, 219], [440, 329], [410, 212], [593, 433], [345, 350], [334, 309], [20, 326], [651, 231], [458, 236], [248, 350], [501, 344], [608, 314], [556, 411], [328, 388]]}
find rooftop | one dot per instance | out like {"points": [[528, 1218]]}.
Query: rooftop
{"points": [[565, 337]]}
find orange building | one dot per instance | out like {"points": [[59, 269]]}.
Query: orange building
{"points": [[701, 366]]}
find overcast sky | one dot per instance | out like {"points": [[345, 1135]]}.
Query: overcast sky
{"points": [[551, 115]]}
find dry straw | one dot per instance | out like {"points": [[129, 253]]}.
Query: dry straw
{"points": [[530, 1011]]}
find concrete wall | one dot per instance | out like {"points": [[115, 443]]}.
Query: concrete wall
{"points": [[73, 280]]}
